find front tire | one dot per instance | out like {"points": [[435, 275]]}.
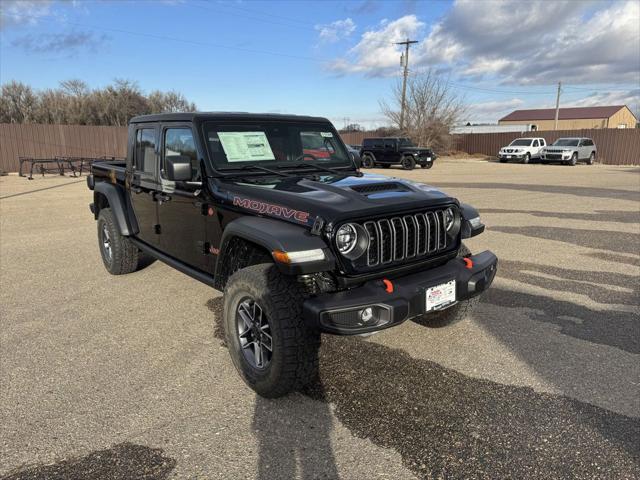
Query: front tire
{"points": [[119, 255], [503, 160], [270, 345], [457, 312], [573, 161], [427, 165], [527, 158], [408, 162], [368, 161]]}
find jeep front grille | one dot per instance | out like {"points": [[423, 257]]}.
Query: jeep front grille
{"points": [[406, 237]]}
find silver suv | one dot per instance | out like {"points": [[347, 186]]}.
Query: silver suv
{"points": [[570, 151]]}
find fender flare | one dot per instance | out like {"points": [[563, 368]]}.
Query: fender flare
{"points": [[468, 212], [115, 196], [277, 235]]}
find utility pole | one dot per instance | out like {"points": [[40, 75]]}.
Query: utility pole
{"points": [[404, 61], [557, 105]]}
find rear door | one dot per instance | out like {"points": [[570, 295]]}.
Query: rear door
{"points": [[180, 204], [144, 182]]}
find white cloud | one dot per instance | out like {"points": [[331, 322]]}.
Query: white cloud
{"points": [[376, 54], [513, 42], [489, 111], [23, 12], [334, 31]]}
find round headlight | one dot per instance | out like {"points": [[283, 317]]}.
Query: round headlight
{"points": [[449, 218], [346, 238], [352, 240]]}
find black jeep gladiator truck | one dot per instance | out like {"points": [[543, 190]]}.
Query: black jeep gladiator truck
{"points": [[273, 211], [387, 151]]}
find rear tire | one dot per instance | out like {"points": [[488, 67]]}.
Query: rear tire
{"points": [[408, 162], [292, 361], [119, 254], [457, 312], [368, 161], [592, 159]]}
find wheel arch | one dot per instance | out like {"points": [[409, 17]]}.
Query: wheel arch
{"points": [[260, 237], [107, 195]]}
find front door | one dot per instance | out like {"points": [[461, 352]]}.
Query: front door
{"points": [[144, 183], [180, 205]]}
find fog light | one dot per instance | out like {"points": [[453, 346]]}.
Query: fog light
{"points": [[366, 315]]}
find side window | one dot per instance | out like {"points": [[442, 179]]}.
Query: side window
{"points": [[543, 142], [535, 143], [179, 142], [145, 152], [588, 142], [389, 145]]}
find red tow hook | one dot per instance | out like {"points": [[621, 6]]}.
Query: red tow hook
{"points": [[388, 286], [468, 262]]}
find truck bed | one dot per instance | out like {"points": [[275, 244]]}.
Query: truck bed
{"points": [[109, 169]]}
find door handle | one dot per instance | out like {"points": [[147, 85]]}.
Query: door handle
{"points": [[161, 198]]}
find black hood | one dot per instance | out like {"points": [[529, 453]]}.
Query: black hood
{"points": [[333, 197]]}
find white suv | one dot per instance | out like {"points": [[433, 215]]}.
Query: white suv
{"points": [[523, 149]]}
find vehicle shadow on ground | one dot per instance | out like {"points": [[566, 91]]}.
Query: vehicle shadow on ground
{"points": [[291, 436], [447, 425], [589, 192], [123, 461]]}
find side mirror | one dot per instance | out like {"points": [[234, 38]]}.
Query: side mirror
{"points": [[178, 168]]}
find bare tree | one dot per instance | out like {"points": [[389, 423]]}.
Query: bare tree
{"points": [[169, 102], [18, 103], [75, 103], [431, 109]]}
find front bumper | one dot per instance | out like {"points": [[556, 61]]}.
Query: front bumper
{"points": [[511, 156], [339, 312]]}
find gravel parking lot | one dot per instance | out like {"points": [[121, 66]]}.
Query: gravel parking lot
{"points": [[127, 377]]}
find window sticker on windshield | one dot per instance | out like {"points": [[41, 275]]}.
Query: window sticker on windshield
{"points": [[327, 134], [246, 146]]}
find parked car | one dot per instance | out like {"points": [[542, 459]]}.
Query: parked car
{"points": [[522, 149], [299, 244], [570, 151], [389, 151]]}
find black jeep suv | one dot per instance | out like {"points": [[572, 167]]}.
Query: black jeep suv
{"points": [[389, 151], [272, 210]]}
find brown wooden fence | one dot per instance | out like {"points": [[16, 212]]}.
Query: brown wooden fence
{"points": [[48, 141], [615, 146]]}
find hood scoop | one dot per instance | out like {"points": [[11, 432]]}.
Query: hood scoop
{"points": [[372, 188]]}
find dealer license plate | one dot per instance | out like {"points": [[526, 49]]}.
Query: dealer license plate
{"points": [[441, 296]]}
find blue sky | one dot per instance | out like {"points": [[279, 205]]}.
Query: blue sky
{"points": [[330, 58]]}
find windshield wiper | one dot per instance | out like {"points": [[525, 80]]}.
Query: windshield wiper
{"points": [[252, 167], [319, 168]]}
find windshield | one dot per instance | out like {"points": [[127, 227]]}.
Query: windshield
{"points": [[273, 144], [405, 142], [566, 142], [521, 142]]}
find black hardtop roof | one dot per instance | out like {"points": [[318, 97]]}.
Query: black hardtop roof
{"points": [[223, 116]]}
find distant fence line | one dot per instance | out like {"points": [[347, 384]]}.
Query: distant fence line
{"points": [[48, 141], [615, 146]]}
